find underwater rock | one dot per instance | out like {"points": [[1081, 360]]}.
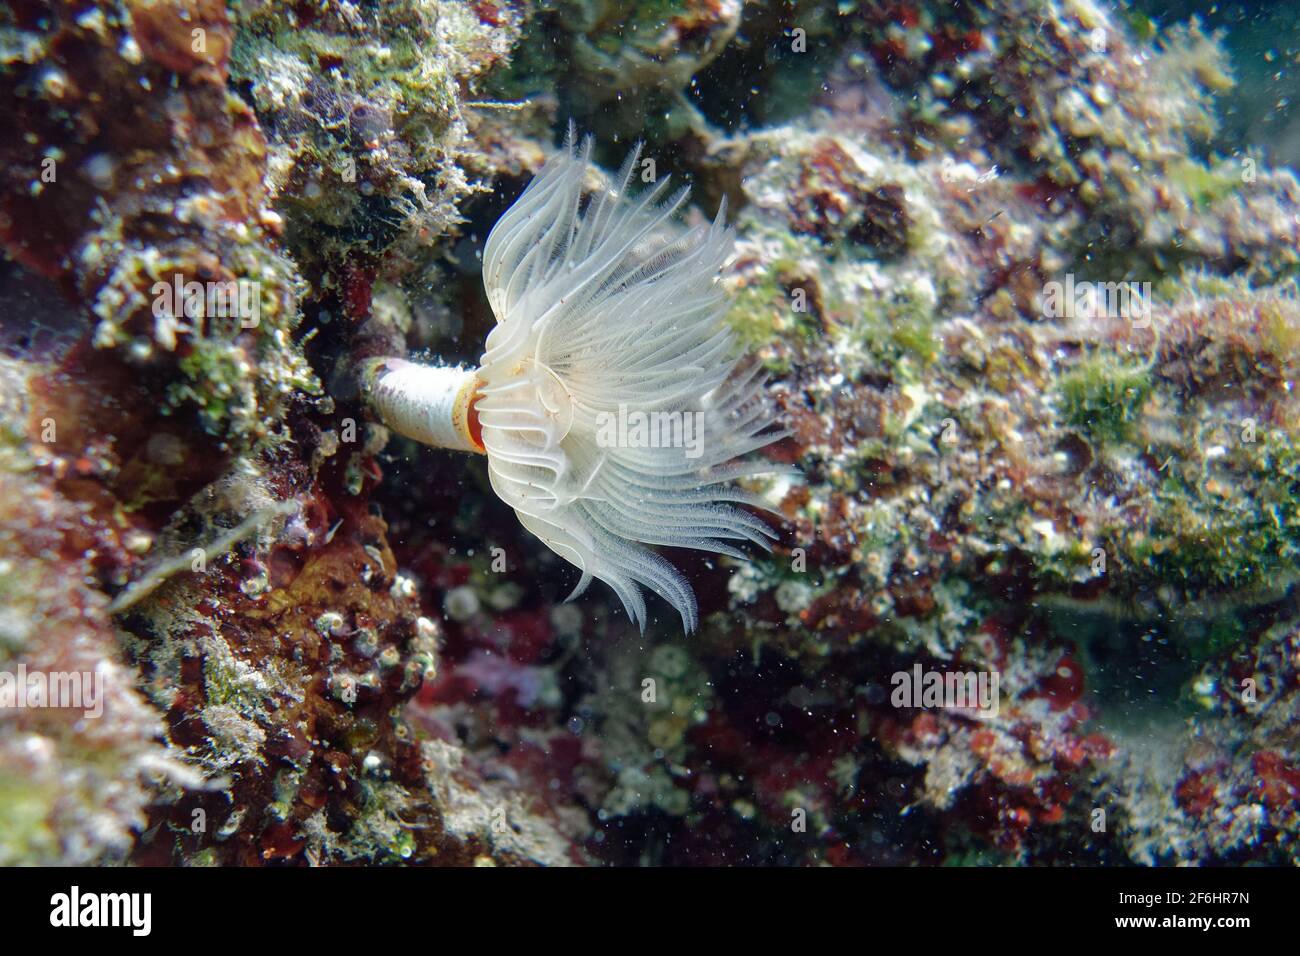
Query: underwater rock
{"points": [[1034, 338]]}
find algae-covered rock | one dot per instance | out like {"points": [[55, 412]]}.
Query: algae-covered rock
{"points": [[1030, 322]]}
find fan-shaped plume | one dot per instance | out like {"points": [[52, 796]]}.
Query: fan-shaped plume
{"points": [[612, 404]]}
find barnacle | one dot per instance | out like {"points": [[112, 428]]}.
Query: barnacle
{"points": [[613, 409]]}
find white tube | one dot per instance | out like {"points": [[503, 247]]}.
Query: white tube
{"points": [[431, 404]]}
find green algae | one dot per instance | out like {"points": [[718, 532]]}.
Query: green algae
{"points": [[1104, 396]]}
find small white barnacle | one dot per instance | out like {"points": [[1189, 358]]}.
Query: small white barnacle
{"points": [[611, 403]]}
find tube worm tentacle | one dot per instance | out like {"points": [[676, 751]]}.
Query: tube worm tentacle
{"points": [[608, 311]]}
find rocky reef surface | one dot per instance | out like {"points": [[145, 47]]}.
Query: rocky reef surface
{"points": [[319, 644]]}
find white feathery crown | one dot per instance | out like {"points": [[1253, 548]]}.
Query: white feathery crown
{"points": [[602, 307]]}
